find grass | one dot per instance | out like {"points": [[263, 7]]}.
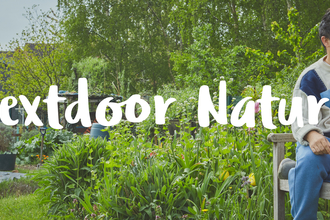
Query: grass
{"points": [[24, 207], [27, 168], [17, 200], [17, 187]]}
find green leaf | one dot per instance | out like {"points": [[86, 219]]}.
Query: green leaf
{"points": [[192, 210]]}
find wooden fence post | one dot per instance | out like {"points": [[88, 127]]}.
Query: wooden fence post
{"points": [[279, 196]]}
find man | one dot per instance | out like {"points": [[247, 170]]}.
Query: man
{"points": [[313, 146]]}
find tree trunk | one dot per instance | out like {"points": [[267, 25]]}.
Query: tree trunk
{"points": [[235, 17]]}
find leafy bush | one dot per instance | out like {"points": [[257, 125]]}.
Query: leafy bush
{"points": [[185, 105], [28, 134], [29, 149], [73, 168], [175, 178], [6, 137], [200, 64]]}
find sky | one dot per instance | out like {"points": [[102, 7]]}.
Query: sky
{"points": [[12, 19]]}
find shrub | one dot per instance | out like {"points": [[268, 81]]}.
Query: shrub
{"points": [[133, 178], [29, 149], [181, 178], [6, 137], [28, 134], [74, 167]]}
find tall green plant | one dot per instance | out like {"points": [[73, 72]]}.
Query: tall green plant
{"points": [[73, 168], [178, 178]]}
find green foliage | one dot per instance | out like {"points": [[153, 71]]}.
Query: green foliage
{"points": [[171, 177], [6, 137], [74, 167], [17, 187], [200, 64], [161, 42], [186, 102], [140, 42], [133, 178], [94, 70], [133, 37], [299, 57], [38, 60], [28, 134], [101, 79], [29, 149], [292, 36], [183, 109]]}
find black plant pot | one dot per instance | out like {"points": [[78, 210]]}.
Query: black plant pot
{"points": [[7, 162]]}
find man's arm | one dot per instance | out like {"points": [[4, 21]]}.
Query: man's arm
{"points": [[300, 133], [318, 143]]}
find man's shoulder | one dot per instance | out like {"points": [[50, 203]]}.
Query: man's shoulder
{"points": [[312, 81], [309, 74]]}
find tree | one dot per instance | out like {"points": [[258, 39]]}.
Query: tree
{"points": [[38, 59], [132, 36], [140, 37], [240, 66]]}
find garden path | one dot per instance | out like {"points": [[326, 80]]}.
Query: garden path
{"points": [[9, 175]]}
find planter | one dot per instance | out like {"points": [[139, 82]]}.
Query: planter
{"points": [[7, 162], [96, 131]]}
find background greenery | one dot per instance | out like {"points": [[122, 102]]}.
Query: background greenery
{"points": [[135, 47], [167, 48]]}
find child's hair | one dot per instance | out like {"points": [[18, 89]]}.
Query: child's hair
{"points": [[324, 29]]}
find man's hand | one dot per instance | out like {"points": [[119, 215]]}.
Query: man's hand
{"points": [[318, 143]]}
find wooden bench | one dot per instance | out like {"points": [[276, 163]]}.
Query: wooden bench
{"points": [[282, 186]]}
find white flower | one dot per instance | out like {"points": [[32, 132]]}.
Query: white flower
{"points": [[222, 77], [215, 80], [231, 79], [283, 95]]}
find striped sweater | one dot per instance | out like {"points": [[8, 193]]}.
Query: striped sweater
{"points": [[315, 81]]}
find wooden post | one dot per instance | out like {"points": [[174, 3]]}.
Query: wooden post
{"points": [[41, 148], [279, 196]]}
